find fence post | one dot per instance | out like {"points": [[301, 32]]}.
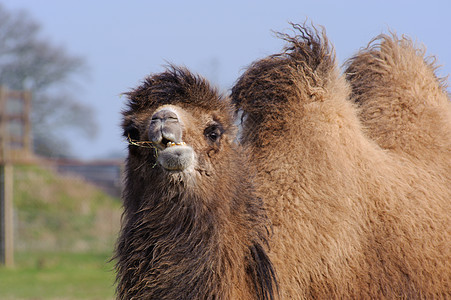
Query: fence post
{"points": [[6, 215], [6, 189]]}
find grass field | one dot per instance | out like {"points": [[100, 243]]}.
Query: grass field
{"points": [[65, 230], [58, 276], [61, 213]]}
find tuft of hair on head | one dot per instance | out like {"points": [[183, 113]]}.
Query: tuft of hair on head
{"points": [[176, 85]]}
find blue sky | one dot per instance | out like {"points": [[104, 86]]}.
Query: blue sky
{"points": [[124, 41]]}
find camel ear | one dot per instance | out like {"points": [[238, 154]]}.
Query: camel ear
{"points": [[131, 132], [231, 133]]}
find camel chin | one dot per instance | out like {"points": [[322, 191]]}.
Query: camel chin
{"points": [[177, 158]]}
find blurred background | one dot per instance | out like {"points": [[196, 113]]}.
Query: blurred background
{"points": [[63, 68]]}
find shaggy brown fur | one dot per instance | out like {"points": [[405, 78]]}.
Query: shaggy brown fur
{"points": [[403, 105], [350, 219], [191, 234]]}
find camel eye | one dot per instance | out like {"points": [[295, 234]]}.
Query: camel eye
{"points": [[213, 132]]}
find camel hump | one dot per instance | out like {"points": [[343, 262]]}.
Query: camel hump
{"points": [[300, 72], [403, 102], [398, 67]]}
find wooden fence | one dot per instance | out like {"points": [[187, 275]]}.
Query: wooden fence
{"points": [[105, 174], [15, 147], [15, 126]]}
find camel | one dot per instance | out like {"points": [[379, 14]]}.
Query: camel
{"points": [[351, 219], [192, 226]]}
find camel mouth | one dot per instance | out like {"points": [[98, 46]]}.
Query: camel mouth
{"points": [[176, 157], [172, 144], [165, 143]]}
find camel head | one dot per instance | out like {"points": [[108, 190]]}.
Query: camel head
{"points": [[177, 125]]}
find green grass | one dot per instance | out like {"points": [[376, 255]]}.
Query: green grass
{"points": [[61, 213], [65, 230], [58, 276]]}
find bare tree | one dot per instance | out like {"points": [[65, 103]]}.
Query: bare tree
{"points": [[28, 61]]}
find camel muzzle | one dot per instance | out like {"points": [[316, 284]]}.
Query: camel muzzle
{"points": [[165, 129], [165, 132]]}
